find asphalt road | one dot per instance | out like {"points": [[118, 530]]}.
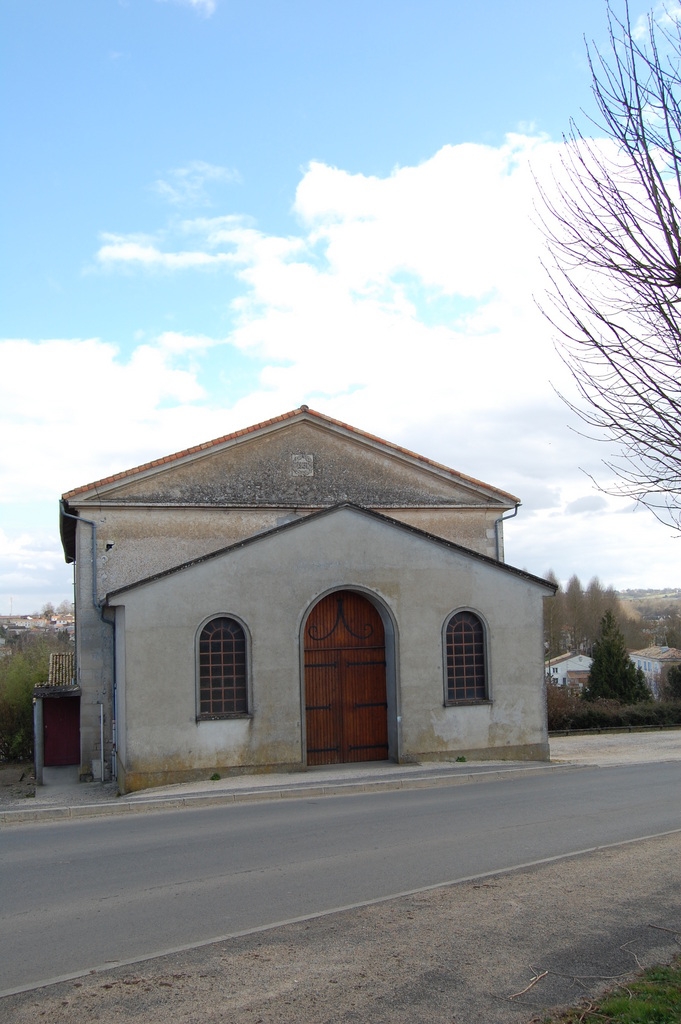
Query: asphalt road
{"points": [[77, 895]]}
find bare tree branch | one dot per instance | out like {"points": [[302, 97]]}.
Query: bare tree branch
{"points": [[612, 221]]}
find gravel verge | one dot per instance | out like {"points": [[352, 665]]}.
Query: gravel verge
{"points": [[618, 747]]}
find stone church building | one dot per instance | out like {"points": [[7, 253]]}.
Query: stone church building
{"points": [[298, 593]]}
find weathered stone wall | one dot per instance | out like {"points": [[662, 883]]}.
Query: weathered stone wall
{"points": [[472, 528], [135, 543], [270, 584]]}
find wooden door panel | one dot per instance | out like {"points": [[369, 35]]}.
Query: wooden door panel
{"points": [[322, 708], [345, 681], [61, 730], [365, 706], [343, 620]]}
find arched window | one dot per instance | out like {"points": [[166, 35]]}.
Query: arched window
{"points": [[222, 670], [465, 653]]}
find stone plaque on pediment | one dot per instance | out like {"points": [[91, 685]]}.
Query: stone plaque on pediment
{"points": [[302, 464]]}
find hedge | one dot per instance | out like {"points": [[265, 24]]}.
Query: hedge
{"points": [[567, 710]]}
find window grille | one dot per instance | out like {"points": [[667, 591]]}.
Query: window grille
{"points": [[465, 650], [222, 670]]}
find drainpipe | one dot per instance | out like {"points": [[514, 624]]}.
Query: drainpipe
{"points": [[114, 727], [99, 608], [101, 742], [39, 737], [497, 531], [93, 524]]}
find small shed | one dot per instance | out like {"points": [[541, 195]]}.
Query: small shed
{"points": [[56, 716]]}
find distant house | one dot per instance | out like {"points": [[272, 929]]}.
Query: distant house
{"points": [[569, 670], [652, 661], [298, 593]]}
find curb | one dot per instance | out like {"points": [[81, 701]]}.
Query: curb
{"points": [[294, 791]]}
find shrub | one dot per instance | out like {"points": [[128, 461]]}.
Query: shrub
{"points": [[671, 684], [562, 705], [20, 670], [566, 710]]}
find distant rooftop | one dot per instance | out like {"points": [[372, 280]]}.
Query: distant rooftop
{"points": [[658, 653]]}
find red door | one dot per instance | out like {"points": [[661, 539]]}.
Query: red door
{"points": [[61, 729], [345, 683]]}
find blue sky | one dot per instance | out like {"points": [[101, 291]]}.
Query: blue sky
{"points": [[215, 211]]}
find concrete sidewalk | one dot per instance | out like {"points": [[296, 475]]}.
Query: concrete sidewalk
{"points": [[62, 796]]}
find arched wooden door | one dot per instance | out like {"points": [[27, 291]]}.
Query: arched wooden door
{"points": [[345, 682]]}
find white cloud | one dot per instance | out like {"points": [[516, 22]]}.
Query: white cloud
{"points": [[405, 293], [459, 221], [32, 570], [623, 548], [666, 15], [177, 343], [123, 250], [402, 300], [74, 410], [186, 186], [404, 305], [589, 503], [439, 259], [640, 28], [204, 7]]}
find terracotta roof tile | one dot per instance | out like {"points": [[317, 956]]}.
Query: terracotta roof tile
{"points": [[62, 669]]}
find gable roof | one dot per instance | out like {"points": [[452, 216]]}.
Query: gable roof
{"points": [[302, 413], [657, 652], [563, 658], [315, 516], [61, 679]]}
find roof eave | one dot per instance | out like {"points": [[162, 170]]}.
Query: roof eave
{"points": [[67, 532]]}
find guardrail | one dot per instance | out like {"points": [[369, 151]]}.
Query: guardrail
{"points": [[612, 728]]}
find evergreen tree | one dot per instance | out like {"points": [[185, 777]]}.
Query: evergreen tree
{"points": [[672, 685], [613, 673]]}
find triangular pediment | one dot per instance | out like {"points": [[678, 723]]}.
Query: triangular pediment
{"points": [[303, 459]]}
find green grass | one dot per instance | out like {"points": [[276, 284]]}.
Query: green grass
{"points": [[653, 998]]}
